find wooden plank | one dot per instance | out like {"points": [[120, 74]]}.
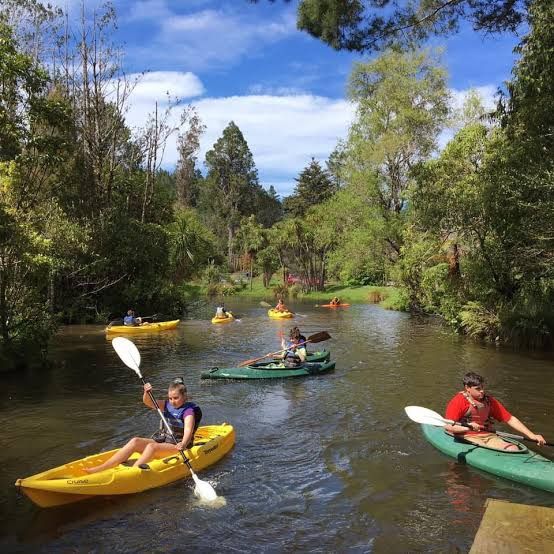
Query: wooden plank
{"points": [[514, 528]]}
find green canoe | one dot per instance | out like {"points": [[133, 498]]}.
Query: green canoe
{"points": [[269, 370], [523, 466]]}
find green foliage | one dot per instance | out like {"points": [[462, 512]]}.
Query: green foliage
{"points": [[479, 321], [313, 186], [281, 291], [372, 26], [231, 187], [192, 244], [212, 274]]}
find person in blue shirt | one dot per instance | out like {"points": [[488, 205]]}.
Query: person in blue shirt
{"points": [[131, 320]]}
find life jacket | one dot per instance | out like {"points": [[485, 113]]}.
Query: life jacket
{"points": [[478, 412], [175, 420], [290, 354], [129, 320]]}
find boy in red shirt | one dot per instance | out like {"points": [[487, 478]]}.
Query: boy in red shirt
{"points": [[476, 410]]}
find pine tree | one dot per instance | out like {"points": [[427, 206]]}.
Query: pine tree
{"points": [[313, 186]]}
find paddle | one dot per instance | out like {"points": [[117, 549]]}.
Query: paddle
{"points": [[265, 304], [130, 356], [317, 337], [429, 417], [143, 317]]}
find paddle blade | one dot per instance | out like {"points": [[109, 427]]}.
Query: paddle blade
{"points": [[203, 489], [265, 304], [426, 416], [128, 353], [319, 337]]}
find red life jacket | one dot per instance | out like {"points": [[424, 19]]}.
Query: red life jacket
{"points": [[478, 412]]}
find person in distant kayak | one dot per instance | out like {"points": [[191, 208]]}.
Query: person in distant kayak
{"points": [[221, 312], [475, 409], [281, 306], [335, 301], [131, 320], [295, 348], [182, 416]]}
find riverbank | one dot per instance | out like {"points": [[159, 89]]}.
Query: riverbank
{"points": [[387, 297]]}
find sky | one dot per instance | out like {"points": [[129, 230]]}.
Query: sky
{"points": [[247, 63]]}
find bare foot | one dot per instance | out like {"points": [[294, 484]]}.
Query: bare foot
{"points": [[94, 469]]}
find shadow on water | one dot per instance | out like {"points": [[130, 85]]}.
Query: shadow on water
{"points": [[326, 463]]}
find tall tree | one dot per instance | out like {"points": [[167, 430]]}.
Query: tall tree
{"points": [[313, 186], [402, 104], [250, 239], [231, 186], [187, 176]]}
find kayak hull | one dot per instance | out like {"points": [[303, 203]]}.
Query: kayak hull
{"points": [[524, 466], [269, 370], [220, 320], [341, 305], [273, 314], [70, 483], [144, 328]]}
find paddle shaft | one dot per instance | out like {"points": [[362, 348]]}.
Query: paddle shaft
{"points": [[248, 362], [160, 413], [500, 433]]}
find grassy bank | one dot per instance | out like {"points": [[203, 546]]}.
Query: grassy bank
{"points": [[388, 297]]}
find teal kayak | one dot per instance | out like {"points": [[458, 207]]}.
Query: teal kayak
{"points": [[523, 466], [269, 370]]}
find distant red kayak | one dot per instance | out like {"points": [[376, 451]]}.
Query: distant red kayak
{"points": [[341, 305]]}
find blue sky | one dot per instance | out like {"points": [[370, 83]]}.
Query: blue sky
{"points": [[247, 62]]}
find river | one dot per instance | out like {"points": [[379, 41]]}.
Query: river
{"points": [[321, 464]]}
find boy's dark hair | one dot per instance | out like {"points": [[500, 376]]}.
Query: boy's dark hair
{"points": [[473, 379]]}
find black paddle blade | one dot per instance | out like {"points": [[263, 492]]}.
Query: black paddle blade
{"points": [[319, 337]]}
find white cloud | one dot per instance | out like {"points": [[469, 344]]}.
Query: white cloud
{"points": [[283, 132], [206, 38], [155, 85], [486, 92]]}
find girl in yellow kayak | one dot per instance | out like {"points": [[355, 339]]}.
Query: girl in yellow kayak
{"points": [[183, 418], [281, 306], [335, 301]]}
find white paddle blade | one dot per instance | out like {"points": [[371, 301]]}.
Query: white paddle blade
{"points": [[426, 416], [203, 490], [128, 353]]}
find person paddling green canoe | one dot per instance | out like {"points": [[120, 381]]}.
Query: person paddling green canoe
{"points": [[473, 408]]}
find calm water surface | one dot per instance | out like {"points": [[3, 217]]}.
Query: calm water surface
{"points": [[322, 464]]}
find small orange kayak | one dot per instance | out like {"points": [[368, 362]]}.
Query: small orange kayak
{"points": [[341, 305]]}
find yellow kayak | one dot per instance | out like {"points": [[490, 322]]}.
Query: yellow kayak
{"points": [[279, 315], [227, 319], [70, 483], [146, 327]]}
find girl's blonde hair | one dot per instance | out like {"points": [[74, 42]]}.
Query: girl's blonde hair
{"points": [[178, 385]]}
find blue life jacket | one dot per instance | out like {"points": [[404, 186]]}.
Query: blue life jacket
{"points": [[129, 320], [174, 417]]}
